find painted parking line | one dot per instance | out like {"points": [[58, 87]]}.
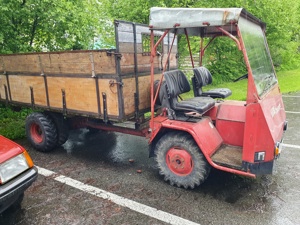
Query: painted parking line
{"points": [[291, 146], [292, 112], [125, 202]]}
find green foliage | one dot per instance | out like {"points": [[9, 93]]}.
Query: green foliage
{"points": [[39, 25], [12, 123], [283, 29]]}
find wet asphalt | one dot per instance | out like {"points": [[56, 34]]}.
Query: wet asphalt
{"points": [[104, 160]]}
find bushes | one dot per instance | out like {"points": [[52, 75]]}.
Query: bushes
{"points": [[12, 123]]}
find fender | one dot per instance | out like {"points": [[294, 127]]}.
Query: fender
{"points": [[204, 133]]}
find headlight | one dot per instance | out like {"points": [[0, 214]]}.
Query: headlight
{"points": [[13, 167]]}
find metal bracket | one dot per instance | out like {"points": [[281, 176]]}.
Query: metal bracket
{"points": [[112, 83], [118, 55]]}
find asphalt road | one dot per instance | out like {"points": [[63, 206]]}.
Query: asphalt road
{"points": [[108, 189]]}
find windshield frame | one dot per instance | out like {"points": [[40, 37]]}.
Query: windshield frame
{"points": [[257, 53]]}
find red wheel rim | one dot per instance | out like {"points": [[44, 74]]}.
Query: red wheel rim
{"points": [[179, 161], [36, 133]]}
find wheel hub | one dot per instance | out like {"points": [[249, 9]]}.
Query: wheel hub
{"points": [[179, 161], [36, 133]]}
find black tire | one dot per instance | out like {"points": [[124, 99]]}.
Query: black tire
{"points": [[41, 131], [180, 160], [61, 127]]}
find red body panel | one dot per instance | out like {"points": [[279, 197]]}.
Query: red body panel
{"points": [[8, 149], [264, 126], [230, 122]]}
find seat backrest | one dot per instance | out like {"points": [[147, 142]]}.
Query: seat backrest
{"points": [[203, 76], [177, 83]]}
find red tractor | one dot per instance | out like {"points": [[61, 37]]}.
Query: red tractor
{"points": [[189, 136], [109, 89]]}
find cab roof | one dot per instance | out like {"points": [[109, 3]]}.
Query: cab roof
{"points": [[199, 21]]}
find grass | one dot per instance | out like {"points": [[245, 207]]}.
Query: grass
{"points": [[289, 81]]}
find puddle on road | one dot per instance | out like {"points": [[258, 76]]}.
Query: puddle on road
{"points": [[245, 194], [107, 146]]}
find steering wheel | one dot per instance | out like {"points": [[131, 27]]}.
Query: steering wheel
{"points": [[245, 76]]}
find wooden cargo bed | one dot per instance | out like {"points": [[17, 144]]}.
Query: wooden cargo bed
{"points": [[109, 84]]}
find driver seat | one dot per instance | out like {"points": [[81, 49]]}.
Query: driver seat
{"points": [[203, 77], [175, 84]]}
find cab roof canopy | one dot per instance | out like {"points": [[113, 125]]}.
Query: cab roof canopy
{"points": [[199, 21]]}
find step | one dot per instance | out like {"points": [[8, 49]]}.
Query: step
{"points": [[229, 156]]}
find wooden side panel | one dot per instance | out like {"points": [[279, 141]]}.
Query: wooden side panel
{"points": [[78, 63], [80, 93], [25, 63], [70, 62], [144, 93], [111, 97], [20, 89], [3, 83]]}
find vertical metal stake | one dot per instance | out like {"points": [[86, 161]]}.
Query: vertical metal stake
{"points": [[32, 98], [6, 95], [64, 103], [104, 107]]}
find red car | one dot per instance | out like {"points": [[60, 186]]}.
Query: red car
{"points": [[17, 173]]}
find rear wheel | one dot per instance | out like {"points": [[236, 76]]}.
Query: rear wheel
{"points": [[61, 127], [41, 131], [180, 160]]}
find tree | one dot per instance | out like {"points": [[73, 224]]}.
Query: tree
{"points": [[36, 25]]}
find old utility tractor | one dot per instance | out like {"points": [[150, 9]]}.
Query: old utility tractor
{"points": [[113, 89]]}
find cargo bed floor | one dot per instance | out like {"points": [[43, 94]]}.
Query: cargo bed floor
{"points": [[229, 156]]}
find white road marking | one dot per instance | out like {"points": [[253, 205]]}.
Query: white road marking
{"points": [[291, 146], [292, 112], [135, 206]]}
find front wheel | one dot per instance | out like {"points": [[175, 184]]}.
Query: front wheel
{"points": [[41, 131], [180, 160]]}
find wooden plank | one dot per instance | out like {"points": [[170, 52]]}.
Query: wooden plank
{"points": [[111, 96], [127, 63], [20, 89], [78, 63], [22, 63], [80, 93], [3, 83]]}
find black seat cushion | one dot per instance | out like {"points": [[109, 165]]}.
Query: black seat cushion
{"points": [[176, 84], [197, 104], [202, 78], [217, 93]]}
